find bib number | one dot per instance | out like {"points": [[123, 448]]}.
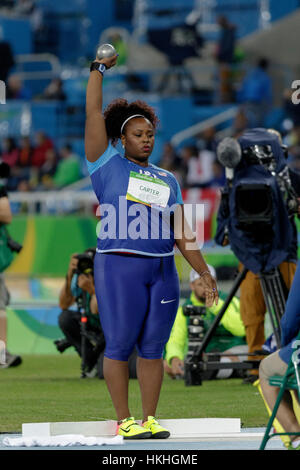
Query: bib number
{"points": [[147, 190]]}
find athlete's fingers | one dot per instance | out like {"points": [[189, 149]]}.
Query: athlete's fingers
{"points": [[215, 291], [210, 285], [212, 289], [108, 61], [209, 297]]}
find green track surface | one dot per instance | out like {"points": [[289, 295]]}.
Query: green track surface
{"points": [[49, 389]]}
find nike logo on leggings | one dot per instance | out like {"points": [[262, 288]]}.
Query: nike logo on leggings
{"points": [[163, 301]]}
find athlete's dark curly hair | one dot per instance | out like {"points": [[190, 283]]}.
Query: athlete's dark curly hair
{"points": [[119, 110]]}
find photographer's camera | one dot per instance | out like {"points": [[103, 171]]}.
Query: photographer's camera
{"points": [[192, 368]]}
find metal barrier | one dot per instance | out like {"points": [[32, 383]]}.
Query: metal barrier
{"points": [[58, 202], [192, 131], [25, 59]]}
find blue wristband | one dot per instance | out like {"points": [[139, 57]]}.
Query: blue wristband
{"points": [[99, 67]]}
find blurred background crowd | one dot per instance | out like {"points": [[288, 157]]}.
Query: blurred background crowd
{"points": [[210, 68], [206, 66]]}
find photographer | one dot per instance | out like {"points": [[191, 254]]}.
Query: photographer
{"points": [[229, 334], [79, 285]]}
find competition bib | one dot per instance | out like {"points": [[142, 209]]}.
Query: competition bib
{"points": [[147, 190]]}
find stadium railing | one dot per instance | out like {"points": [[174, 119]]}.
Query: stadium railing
{"points": [[194, 130], [35, 61], [54, 202]]}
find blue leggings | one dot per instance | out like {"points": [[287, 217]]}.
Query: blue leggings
{"points": [[137, 297]]}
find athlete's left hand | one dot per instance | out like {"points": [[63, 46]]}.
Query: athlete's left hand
{"points": [[211, 291]]}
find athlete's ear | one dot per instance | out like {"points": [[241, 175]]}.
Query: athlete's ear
{"points": [[123, 141]]}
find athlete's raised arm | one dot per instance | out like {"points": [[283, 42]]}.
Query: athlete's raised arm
{"points": [[95, 133]]}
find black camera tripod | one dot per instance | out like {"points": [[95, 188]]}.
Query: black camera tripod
{"points": [[274, 296], [87, 334], [82, 304]]}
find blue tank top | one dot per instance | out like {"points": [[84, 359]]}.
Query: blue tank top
{"points": [[136, 205]]}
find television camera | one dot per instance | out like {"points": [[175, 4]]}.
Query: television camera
{"points": [[256, 216]]}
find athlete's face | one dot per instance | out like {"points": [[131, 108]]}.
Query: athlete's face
{"points": [[138, 140]]}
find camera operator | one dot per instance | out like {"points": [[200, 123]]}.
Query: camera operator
{"points": [[11, 360], [229, 334], [258, 250], [253, 309], [77, 283]]}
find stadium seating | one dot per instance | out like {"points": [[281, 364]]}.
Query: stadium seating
{"points": [[73, 29], [22, 42]]}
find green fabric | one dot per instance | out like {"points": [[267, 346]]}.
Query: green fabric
{"points": [[122, 51], [52, 237], [68, 172], [93, 318], [229, 333], [6, 255], [44, 234]]}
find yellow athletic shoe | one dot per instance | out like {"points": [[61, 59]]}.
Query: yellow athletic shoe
{"points": [[157, 431], [130, 429], [291, 447]]}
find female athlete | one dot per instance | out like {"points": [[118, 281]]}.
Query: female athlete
{"points": [[136, 281]]}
